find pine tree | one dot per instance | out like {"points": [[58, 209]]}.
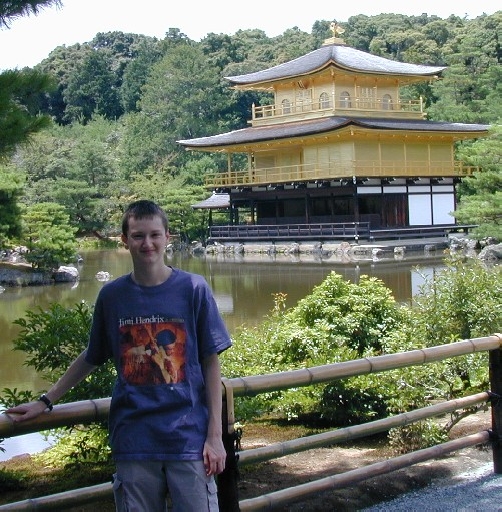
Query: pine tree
{"points": [[11, 9], [21, 91]]}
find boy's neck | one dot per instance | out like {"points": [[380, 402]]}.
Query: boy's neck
{"points": [[151, 276]]}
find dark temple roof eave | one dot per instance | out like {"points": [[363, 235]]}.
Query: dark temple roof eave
{"points": [[341, 56], [255, 135]]}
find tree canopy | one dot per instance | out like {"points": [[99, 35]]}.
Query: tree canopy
{"points": [[121, 101]]}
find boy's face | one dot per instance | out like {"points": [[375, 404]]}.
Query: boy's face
{"points": [[146, 240]]}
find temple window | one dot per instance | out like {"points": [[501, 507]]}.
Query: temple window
{"points": [[387, 102], [324, 100], [286, 106], [345, 100]]}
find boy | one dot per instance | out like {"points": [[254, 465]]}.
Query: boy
{"points": [[163, 330]]}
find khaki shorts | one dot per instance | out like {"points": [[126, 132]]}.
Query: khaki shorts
{"points": [[158, 486]]}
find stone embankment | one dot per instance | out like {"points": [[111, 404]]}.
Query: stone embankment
{"points": [[22, 274], [347, 252]]}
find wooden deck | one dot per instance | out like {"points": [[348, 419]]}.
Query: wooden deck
{"points": [[347, 231]]}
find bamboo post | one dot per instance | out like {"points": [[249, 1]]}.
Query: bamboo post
{"points": [[228, 493], [496, 402]]}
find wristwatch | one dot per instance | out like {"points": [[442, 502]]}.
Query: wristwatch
{"points": [[46, 401]]}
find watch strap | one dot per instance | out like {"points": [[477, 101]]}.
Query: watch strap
{"points": [[46, 401]]}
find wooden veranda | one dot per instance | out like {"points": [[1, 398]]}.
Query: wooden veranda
{"points": [[323, 232]]}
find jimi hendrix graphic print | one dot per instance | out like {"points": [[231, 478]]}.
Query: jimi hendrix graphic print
{"points": [[152, 350]]}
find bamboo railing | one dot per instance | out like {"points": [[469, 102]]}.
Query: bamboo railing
{"points": [[97, 410]]}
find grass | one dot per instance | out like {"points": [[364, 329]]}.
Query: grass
{"points": [[22, 479]]}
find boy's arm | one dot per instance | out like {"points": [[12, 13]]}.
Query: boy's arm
{"points": [[214, 451], [77, 371]]}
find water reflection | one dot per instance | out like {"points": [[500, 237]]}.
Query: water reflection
{"points": [[20, 445]]}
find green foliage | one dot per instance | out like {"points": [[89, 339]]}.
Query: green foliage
{"points": [[50, 238], [136, 73], [20, 94], [77, 446], [18, 8], [480, 194], [75, 166], [10, 213], [13, 397], [416, 436], [327, 326], [359, 316], [338, 321], [471, 86], [181, 99], [460, 302], [52, 339], [12, 480], [92, 89], [352, 402], [185, 223]]}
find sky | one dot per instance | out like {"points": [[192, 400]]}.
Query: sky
{"points": [[30, 39]]}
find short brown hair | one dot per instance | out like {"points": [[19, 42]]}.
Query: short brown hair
{"points": [[141, 209]]}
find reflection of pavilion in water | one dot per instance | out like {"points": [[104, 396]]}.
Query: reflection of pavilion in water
{"points": [[225, 302]]}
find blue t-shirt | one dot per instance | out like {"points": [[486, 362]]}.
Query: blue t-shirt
{"points": [[157, 337]]}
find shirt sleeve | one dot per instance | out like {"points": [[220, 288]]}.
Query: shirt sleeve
{"points": [[98, 349], [212, 334]]}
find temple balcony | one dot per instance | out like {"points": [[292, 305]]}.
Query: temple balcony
{"points": [[355, 107], [336, 171]]}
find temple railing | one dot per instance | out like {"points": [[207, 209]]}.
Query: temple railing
{"points": [[329, 171]]}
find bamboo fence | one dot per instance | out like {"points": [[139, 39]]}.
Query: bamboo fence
{"points": [[97, 410]]}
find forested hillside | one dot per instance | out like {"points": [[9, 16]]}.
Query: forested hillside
{"points": [[120, 102]]}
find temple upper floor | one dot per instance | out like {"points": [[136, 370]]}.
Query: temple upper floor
{"points": [[336, 80]]}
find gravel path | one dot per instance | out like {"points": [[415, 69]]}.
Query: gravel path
{"points": [[476, 490]]}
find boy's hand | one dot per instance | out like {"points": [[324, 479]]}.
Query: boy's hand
{"points": [[214, 455], [26, 411]]}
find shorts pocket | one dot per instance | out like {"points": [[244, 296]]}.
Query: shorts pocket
{"points": [[118, 493], [212, 496]]}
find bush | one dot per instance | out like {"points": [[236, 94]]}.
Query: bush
{"points": [[416, 436], [460, 302], [52, 339], [12, 480], [339, 321], [77, 446], [353, 401]]}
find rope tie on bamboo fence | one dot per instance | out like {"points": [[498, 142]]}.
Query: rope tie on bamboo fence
{"points": [[494, 399], [237, 440]]}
